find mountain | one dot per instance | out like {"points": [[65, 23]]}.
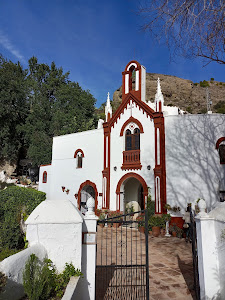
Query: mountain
{"points": [[183, 93]]}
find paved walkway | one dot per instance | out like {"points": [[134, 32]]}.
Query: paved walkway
{"points": [[170, 262], [170, 269]]}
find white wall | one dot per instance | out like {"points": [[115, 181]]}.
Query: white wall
{"points": [[192, 163], [45, 187], [147, 151], [64, 165]]}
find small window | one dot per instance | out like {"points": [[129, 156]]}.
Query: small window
{"points": [[44, 177], [79, 161], [79, 155]]}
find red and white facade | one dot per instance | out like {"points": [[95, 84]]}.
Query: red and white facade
{"points": [[143, 147]]}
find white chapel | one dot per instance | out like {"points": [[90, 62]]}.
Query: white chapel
{"points": [[142, 148]]}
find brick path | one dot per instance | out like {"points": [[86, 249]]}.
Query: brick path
{"points": [[170, 269], [170, 265]]}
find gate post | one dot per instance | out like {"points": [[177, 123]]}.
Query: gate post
{"points": [[207, 257], [86, 285]]}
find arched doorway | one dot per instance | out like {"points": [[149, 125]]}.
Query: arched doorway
{"points": [[132, 191], [87, 189]]}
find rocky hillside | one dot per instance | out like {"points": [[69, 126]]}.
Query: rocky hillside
{"points": [[183, 93]]}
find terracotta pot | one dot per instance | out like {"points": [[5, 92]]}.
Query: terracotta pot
{"points": [[150, 232], [102, 225], [155, 231], [177, 221], [174, 234], [163, 232], [141, 229]]}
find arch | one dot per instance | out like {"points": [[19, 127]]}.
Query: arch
{"points": [[134, 175], [92, 184], [44, 178], [219, 141], [77, 151], [132, 63], [132, 120]]}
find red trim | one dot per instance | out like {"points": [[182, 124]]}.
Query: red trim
{"points": [[131, 175], [45, 165], [130, 120], [130, 97], [44, 178], [87, 182], [219, 141], [77, 151], [160, 169]]}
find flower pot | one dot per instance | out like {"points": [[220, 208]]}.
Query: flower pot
{"points": [[150, 232], [155, 231], [141, 229], [102, 225], [174, 234], [163, 232]]}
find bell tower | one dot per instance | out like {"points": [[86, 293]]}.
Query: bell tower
{"points": [[134, 81]]}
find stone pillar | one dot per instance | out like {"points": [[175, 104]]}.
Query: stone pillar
{"points": [[86, 286], [208, 264]]}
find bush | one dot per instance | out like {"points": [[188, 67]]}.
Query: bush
{"points": [[204, 83], [39, 278], [41, 281], [14, 202]]}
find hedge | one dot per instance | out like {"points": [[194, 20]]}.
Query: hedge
{"points": [[14, 202]]}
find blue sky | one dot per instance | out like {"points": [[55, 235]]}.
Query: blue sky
{"points": [[93, 39]]}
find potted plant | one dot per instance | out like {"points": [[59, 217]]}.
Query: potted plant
{"points": [[156, 223], [176, 231], [141, 223], [117, 220], [101, 218]]}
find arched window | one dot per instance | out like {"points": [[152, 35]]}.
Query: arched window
{"points": [[132, 78], [79, 154], [220, 146], [44, 179], [132, 141]]}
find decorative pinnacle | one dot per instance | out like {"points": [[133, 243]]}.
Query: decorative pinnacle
{"points": [[108, 101], [158, 87]]}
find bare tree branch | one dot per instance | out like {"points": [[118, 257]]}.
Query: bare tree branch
{"points": [[191, 28]]}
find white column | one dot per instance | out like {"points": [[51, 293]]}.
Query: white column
{"points": [[208, 264], [86, 285]]}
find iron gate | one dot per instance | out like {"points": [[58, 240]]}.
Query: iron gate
{"points": [[193, 237], [122, 269]]}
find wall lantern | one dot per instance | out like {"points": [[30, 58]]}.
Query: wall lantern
{"points": [[115, 168], [149, 167]]}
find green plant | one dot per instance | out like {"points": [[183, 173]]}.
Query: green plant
{"points": [[5, 252], [39, 278], [141, 220], [204, 83], [16, 202], [101, 217], [174, 228], [41, 281], [195, 83], [156, 221], [129, 208], [115, 214], [212, 79], [63, 279]]}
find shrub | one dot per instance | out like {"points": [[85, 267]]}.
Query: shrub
{"points": [[212, 79], [14, 202], [41, 281], [195, 83], [39, 278], [220, 107], [204, 83]]}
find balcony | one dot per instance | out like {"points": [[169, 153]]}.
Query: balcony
{"points": [[131, 160]]}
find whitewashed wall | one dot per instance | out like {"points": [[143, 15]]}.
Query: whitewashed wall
{"points": [[45, 187], [147, 153], [193, 167], [64, 165]]}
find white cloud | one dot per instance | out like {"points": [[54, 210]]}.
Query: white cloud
{"points": [[6, 43]]}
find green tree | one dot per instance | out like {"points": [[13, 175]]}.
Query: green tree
{"points": [[13, 108]]}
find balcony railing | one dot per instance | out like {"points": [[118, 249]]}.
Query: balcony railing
{"points": [[131, 160]]}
